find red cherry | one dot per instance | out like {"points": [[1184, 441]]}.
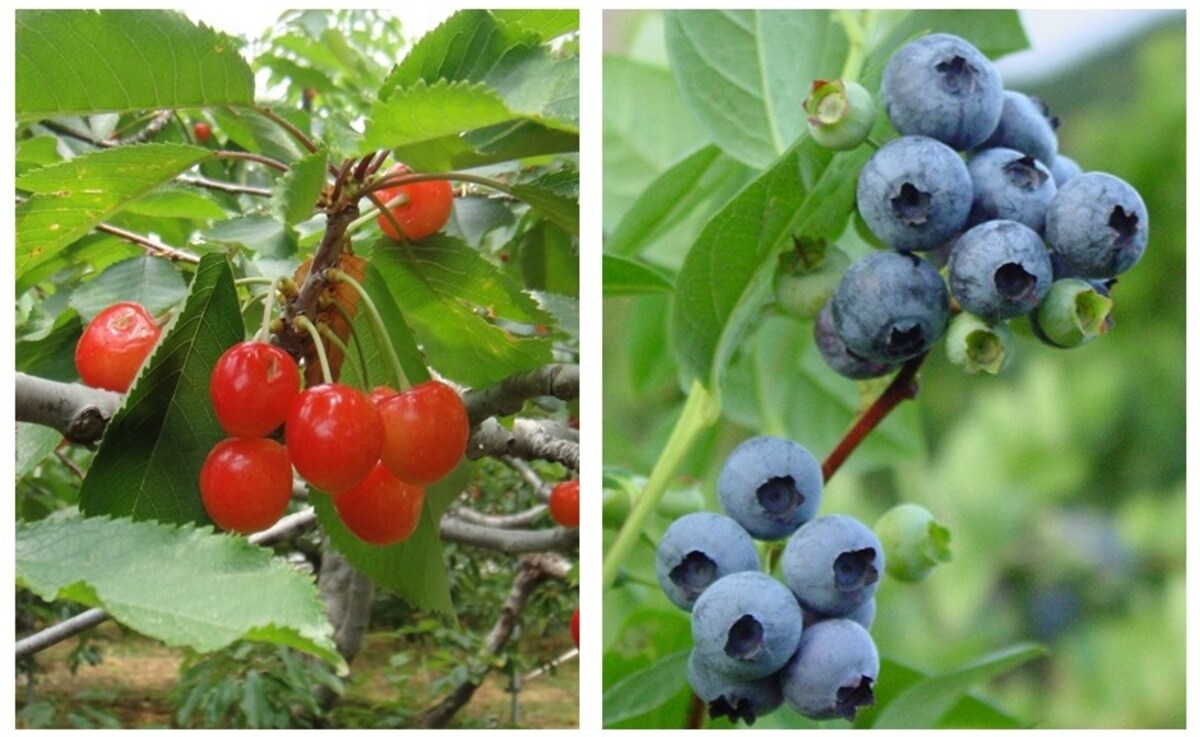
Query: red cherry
{"points": [[246, 483], [380, 393], [381, 510], [425, 432], [564, 503], [202, 131], [334, 436], [575, 627], [425, 211], [114, 346], [252, 387]]}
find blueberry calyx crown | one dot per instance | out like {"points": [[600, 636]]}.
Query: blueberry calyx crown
{"points": [[745, 640], [1125, 224], [912, 205], [739, 709], [852, 698], [958, 76], [779, 497], [855, 569], [694, 574], [1024, 174], [906, 338], [1014, 283]]}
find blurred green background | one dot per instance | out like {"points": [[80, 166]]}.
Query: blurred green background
{"points": [[1062, 480]]}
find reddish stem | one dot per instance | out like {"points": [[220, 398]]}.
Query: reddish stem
{"points": [[695, 713], [903, 387]]}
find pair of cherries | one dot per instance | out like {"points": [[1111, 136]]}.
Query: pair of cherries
{"points": [[375, 454]]}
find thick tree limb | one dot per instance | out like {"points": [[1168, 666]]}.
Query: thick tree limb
{"points": [[79, 412], [455, 529], [516, 521], [559, 380], [533, 570], [527, 440]]}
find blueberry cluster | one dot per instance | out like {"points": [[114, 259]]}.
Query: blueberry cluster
{"points": [[974, 180], [757, 641]]}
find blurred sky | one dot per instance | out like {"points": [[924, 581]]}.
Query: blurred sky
{"points": [[251, 19]]}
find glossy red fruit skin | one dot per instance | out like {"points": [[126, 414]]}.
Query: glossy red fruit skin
{"points": [[380, 393], [426, 211], [382, 510], [575, 628], [246, 484], [114, 346], [252, 387], [425, 432], [334, 436], [202, 131], [564, 503]]}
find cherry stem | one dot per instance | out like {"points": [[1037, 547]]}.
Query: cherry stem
{"points": [[264, 333], [332, 337], [304, 323], [903, 387], [386, 211], [377, 325]]}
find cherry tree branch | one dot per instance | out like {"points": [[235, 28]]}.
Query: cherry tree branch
{"points": [[458, 530], [532, 571], [559, 380], [531, 476], [80, 413], [528, 440], [515, 521]]}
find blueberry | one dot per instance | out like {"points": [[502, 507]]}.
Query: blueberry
{"points": [[732, 697], [1010, 185], [890, 307], [914, 193], [833, 565], [914, 542], [1027, 126], [696, 550], [864, 614], [746, 626], [1064, 169], [1073, 313], [770, 486], [942, 87], [840, 114], [977, 345], [1097, 226], [999, 270], [833, 350], [833, 672]]}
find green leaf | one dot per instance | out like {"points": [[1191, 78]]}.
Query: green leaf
{"points": [[546, 24], [647, 128], [624, 277], [670, 211], [745, 73], [148, 465], [71, 198], [34, 443], [262, 234], [176, 201], [646, 690], [71, 62], [296, 194], [549, 260], [151, 282], [181, 585], [922, 705], [726, 278], [562, 211], [451, 298], [459, 125], [466, 46]]}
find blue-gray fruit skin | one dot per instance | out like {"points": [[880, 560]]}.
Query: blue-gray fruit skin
{"points": [[890, 307], [833, 350], [999, 270], [746, 626], [833, 565], [914, 193], [1010, 185], [1064, 169], [696, 550], [732, 697], [1025, 125], [1097, 226], [943, 87], [770, 486], [833, 672], [863, 615]]}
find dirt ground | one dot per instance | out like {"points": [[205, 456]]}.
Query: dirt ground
{"points": [[133, 683]]}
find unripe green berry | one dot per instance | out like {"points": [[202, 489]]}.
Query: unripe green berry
{"points": [[913, 543], [840, 114], [1072, 313], [804, 281], [617, 503], [978, 346]]}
